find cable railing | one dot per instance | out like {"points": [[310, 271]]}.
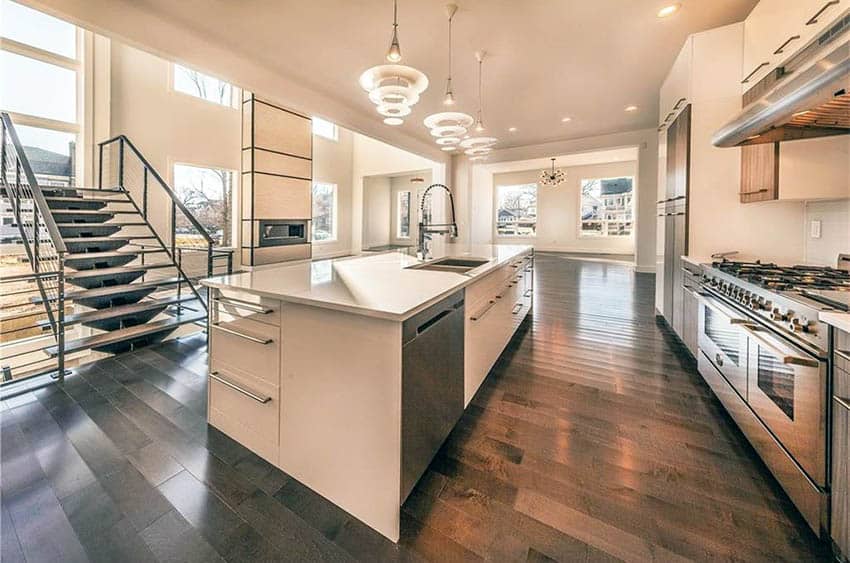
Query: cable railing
{"points": [[122, 165], [43, 246]]}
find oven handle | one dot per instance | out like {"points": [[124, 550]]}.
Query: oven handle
{"points": [[734, 319], [786, 359], [842, 401]]}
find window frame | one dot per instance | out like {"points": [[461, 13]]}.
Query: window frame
{"points": [[604, 232], [334, 214], [496, 195], [314, 119], [234, 197], [81, 66], [235, 91], [398, 234]]}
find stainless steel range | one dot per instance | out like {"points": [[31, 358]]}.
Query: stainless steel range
{"points": [[765, 354]]}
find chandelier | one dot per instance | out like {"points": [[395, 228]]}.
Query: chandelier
{"points": [[553, 177], [394, 88]]}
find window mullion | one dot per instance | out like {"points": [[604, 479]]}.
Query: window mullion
{"points": [[31, 52]]}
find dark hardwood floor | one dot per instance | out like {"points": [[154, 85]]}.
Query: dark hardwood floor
{"points": [[593, 439]]}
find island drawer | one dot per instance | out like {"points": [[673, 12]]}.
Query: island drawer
{"points": [[249, 346], [247, 409], [229, 305], [491, 285]]}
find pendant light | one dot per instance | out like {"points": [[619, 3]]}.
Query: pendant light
{"points": [[479, 122], [449, 98], [394, 53], [552, 178]]}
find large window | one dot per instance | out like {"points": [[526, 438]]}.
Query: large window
{"points": [[403, 215], [325, 128], [41, 87], [208, 194], [203, 86], [607, 207], [516, 210], [324, 212]]}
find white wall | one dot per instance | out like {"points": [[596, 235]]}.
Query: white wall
{"points": [[558, 210], [834, 239], [377, 210], [332, 163], [474, 186]]}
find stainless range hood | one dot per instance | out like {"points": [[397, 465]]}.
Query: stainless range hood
{"points": [[811, 102]]}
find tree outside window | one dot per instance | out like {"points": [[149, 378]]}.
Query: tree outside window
{"points": [[208, 194], [194, 83], [516, 211], [324, 212], [607, 206]]}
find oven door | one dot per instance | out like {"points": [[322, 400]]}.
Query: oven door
{"points": [[723, 341], [788, 392]]}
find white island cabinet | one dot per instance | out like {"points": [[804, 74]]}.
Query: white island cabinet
{"points": [[349, 374]]}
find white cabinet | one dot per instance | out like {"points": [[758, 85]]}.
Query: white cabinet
{"points": [[676, 89], [495, 307], [776, 29]]}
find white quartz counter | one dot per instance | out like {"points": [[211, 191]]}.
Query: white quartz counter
{"points": [[376, 285], [837, 319]]}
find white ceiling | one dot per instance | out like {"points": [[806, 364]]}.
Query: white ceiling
{"points": [[586, 59]]}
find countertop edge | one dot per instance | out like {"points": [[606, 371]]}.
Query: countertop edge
{"points": [[398, 317], [838, 319]]}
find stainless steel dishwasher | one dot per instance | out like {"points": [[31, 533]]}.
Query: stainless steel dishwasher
{"points": [[432, 384]]}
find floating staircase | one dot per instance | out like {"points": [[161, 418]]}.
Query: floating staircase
{"points": [[103, 278]]}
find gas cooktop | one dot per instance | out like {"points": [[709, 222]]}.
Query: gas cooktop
{"points": [[799, 278]]}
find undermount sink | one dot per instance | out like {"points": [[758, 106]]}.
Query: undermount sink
{"points": [[457, 265]]}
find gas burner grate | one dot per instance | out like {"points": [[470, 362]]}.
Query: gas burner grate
{"points": [[787, 278]]}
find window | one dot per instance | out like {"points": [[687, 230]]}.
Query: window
{"points": [[203, 86], [326, 129], [208, 194], [403, 214], [607, 207], [41, 66], [324, 212], [516, 210]]}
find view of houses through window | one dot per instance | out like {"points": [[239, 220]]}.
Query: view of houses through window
{"points": [[516, 210], [403, 207], [206, 87], [324, 212], [607, 207], [208, 194]]}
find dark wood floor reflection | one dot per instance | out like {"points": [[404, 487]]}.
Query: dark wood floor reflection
{"points": [[592, 439]]}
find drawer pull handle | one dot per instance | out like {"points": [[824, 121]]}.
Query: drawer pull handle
{"points": [[781, 48], [718, 359], [679, 103], [236, 303], [814, 19], [761, 191], [262, 341], [259, 398], [527, 293], [517, 308], [753, 73], [480, 314], [842, 401], [844, 354]]}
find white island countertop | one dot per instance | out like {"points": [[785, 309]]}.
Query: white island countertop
{"points": [[377, 285], [838, 319]]}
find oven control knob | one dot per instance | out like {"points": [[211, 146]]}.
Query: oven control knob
{"points": [[795, 325], [776, 315]]}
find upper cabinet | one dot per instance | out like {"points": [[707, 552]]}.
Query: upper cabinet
{"points": [[676, 90], [776, 29]]}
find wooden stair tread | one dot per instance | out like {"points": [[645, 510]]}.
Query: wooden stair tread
{"points": [[119, 289], [97, 272], [111, 254], [80, 198], [129, 309], [123, 334], [104, 239], [93, 211]]}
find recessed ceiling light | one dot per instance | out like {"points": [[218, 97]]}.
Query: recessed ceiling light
{"points": [[631, 108], [566, 119], [448, 148], [512, 129], [669, 10], [393, 121]]}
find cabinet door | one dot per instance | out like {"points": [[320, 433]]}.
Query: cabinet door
{"points": [[767, 31], [680, 249], [760, 163], [690, 327]]}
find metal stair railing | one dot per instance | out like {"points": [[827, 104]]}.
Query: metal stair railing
{"points": [[40, 236], [122, 165]]}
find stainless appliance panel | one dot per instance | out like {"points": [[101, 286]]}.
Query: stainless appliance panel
{"points": [[788, 391], [432, 384], [723, 342]]}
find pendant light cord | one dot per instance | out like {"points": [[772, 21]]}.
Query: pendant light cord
{"points": [[450, 46], [480, 99], [395, 14]]}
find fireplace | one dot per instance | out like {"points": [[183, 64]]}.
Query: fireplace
{"points": [[282, 232]]}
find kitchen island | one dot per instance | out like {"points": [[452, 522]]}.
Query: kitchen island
{"points": [[348, 374]]}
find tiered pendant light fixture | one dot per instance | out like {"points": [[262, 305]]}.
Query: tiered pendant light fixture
{"points": [[394, 88], [552, 178], [477, 148]]}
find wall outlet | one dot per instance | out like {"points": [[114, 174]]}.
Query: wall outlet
{"points": [[814, 230]]}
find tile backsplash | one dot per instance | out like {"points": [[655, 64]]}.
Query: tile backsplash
{"points": [[827, 231]]}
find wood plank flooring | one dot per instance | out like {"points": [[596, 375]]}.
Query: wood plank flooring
{"points": [[593, 439]]}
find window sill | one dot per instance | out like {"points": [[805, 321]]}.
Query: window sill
{"points": [[324, 241]]}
